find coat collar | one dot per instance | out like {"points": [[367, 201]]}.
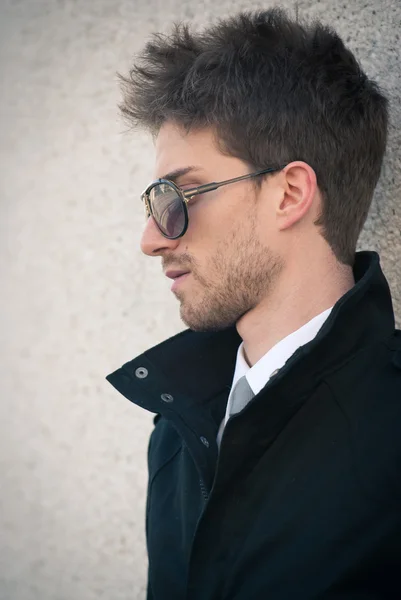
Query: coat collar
{"points": [[196, 367]]}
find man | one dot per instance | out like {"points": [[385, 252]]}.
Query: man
{"points": [[274, 464]]}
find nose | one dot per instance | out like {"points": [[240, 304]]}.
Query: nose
{"points": [[153, 243]]}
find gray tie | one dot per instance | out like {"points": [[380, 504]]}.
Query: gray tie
{"points": [[241, 395]]}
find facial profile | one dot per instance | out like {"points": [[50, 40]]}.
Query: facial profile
{"points": [[231, 266]]}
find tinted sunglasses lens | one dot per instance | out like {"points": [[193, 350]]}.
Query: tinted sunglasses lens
{"points": [[167, 209]]}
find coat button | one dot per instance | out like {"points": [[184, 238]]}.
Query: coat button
{"points": [[204, 441], [141, 372], [167, 397]]}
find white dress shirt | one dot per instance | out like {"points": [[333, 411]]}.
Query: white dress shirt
{"points": [[258, 375]]}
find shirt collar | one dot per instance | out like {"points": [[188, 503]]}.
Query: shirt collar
{"points": [[276, 357]]}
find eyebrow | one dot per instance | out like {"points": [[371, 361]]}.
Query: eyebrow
{"points": [[177, 173]]}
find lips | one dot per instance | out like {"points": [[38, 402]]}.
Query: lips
{"points": [[175, 274]]}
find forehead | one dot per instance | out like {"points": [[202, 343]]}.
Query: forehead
{"points": [[175, 148]]}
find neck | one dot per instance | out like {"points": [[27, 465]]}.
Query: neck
{"points": [[300, 293]]}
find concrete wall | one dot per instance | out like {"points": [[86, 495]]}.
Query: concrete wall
{"points": [[77, 297]]}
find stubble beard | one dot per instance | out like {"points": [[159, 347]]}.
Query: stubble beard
{"points": [[240, 274]]}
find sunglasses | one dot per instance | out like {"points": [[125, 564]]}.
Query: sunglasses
{"points": [[167, 203]]}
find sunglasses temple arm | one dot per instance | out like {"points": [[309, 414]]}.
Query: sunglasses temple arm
{"points": [[202, 189]]}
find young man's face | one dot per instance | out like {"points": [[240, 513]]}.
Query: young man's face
{"points": [[230, 247]]}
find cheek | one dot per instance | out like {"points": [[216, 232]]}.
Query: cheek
{"points": [[204, 216], [217, 223], [265, 232]]}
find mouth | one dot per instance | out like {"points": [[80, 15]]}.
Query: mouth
{"points": [[179, 280], [176, 274]]}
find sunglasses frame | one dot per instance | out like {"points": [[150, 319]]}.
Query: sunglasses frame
{"points": [[186, 195]]}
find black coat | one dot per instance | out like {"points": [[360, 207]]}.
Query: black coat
{"points": [[304, 499]]}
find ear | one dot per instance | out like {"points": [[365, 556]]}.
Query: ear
{"points": [[299, 190]]}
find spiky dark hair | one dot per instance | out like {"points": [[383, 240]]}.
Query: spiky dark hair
{"points": [[274, 90]]}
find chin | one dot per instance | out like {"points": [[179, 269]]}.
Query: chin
{"points": [[207, 323]]}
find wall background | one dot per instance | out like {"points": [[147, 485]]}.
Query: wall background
{"points": [[77, 297]]}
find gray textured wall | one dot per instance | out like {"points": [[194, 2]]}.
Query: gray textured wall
{"points": [[77, 297]]}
